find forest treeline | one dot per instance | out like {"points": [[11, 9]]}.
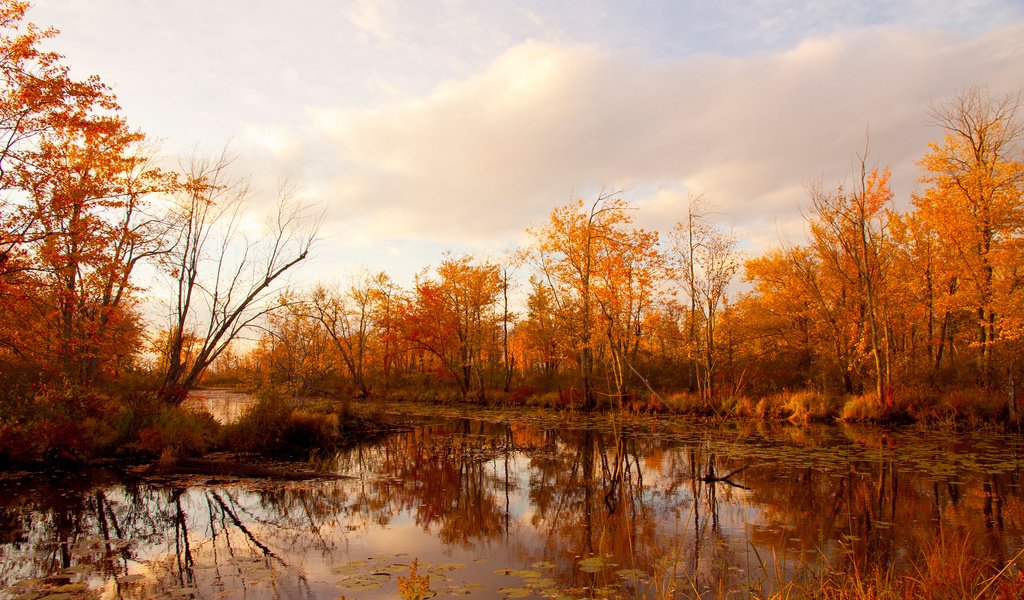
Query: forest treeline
{"points": [[882, 313]]}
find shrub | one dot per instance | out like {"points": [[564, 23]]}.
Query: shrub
{"points": [[305, 429], [971, 404], [66, 422], [276, 425], [180, 432], [865, 407], [740, 406], [259, 428], [685, 402], [648, 404], [806, 406], [519, 395]]}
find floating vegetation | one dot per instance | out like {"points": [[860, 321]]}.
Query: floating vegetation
{"points": [[594, 564], [371, 581]]}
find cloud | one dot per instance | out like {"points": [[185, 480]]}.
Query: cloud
{"points": [[371, 18], [488, 155]]}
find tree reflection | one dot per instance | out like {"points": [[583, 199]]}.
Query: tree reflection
{"points": [[681, 513]]}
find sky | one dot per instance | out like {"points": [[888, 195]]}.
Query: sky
{"points": [[423, 126]]}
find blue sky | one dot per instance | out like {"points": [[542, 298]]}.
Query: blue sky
{"points": [[425, 126]]}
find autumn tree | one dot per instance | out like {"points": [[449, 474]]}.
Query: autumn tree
{"points": [[929, 287], [386, 296], [293, 350], [789, 318], [76, 219], [600, 272], [540, 332], [346, 316], [627, 286], [975, 202], [89, 190], [809, 310], [453, 317], [508, 318], [849, 230]]}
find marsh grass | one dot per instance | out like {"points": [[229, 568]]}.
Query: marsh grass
{"points": [[947, 566]]}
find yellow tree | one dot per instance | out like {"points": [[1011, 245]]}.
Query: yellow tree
{"points": [[385, 299], [849, 231], [472, 292], [294, 350], [454, 318], [626, 288], [784, 326], [540, 331], [805, 310], [347, 318], [975, 202], [926, 296], [583, 254]]}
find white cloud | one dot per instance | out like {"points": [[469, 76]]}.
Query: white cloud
{"points": [[278, 141], [483, 157], [372, 17]]}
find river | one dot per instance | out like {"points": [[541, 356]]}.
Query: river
{"points": [[505, 506]]}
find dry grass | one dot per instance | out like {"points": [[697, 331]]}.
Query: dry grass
{"points": [[948, 567]]}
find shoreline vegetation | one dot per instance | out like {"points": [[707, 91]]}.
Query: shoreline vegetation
{"points": [[141, 428]]}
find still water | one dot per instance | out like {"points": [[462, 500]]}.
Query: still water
{"points": [[523, 508]]}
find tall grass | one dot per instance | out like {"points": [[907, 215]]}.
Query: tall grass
{"points": [[948, 566]]}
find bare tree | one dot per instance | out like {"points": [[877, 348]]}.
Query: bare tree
{"points": [[706, 261], [222, 278]]}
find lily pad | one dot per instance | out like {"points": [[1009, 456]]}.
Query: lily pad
{"points": [[593, 564], [366, 582]]}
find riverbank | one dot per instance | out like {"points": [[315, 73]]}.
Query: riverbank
{"points": [[138, 428]]}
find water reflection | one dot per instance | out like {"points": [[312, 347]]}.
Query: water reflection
{"points": [[522, 509]]}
